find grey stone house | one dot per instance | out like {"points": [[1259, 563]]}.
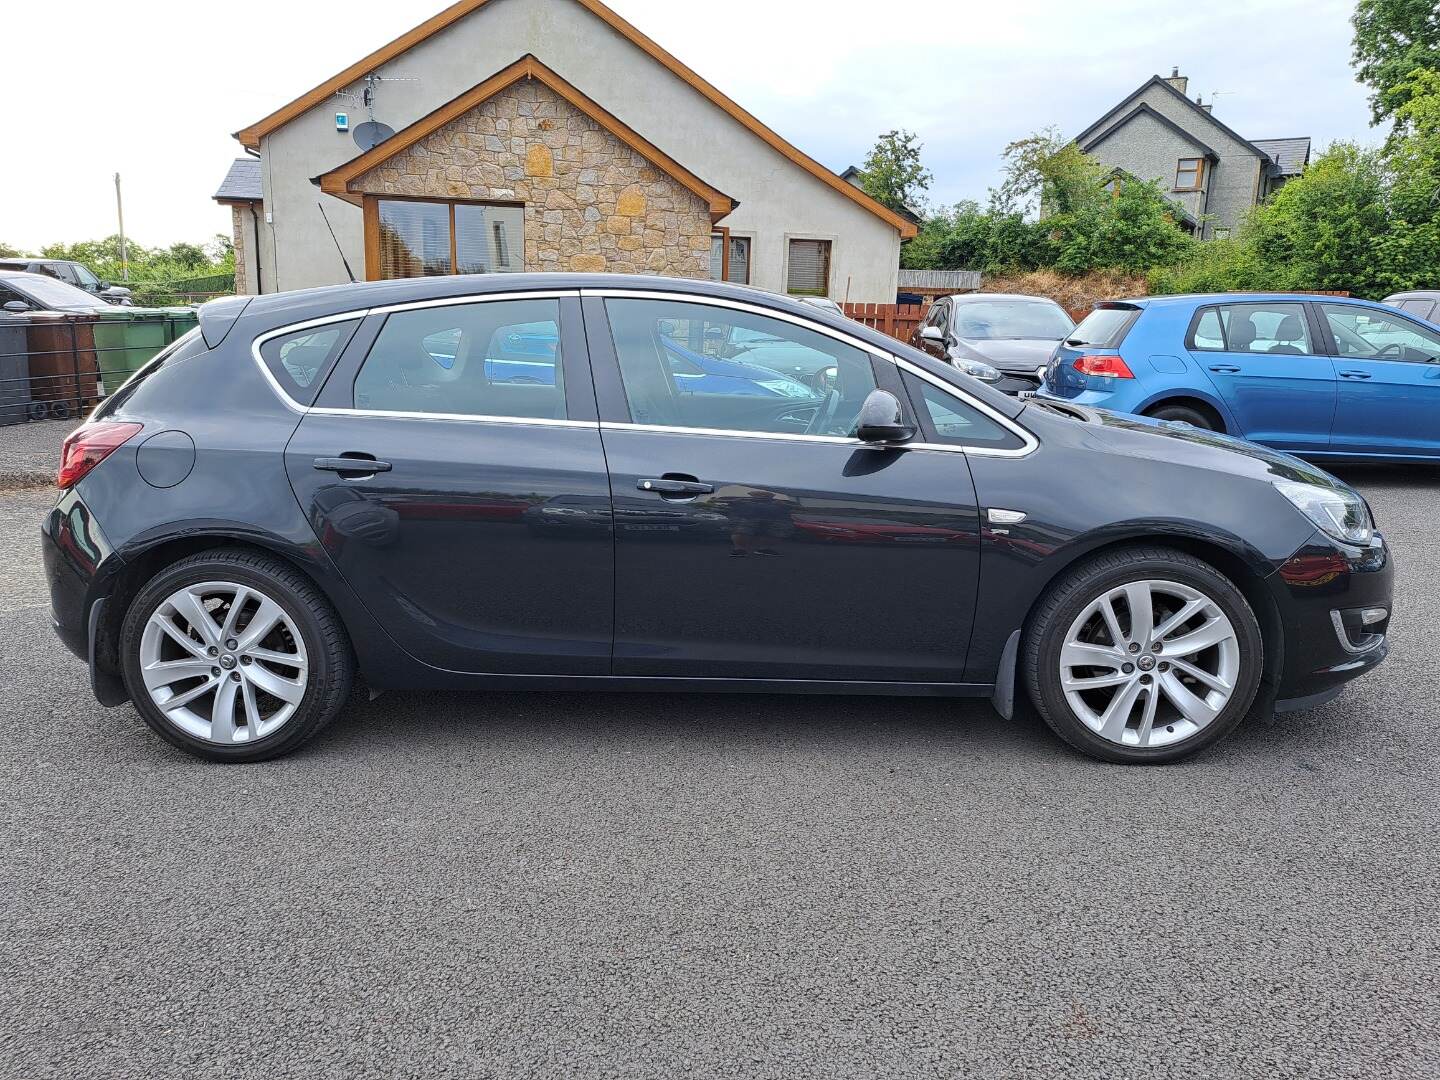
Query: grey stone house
{"points": [[1214, 174]]}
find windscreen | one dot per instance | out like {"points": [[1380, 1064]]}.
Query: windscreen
{"points": [[992, 320]]}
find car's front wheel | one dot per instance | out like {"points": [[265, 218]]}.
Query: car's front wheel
{"points": [[1143, 655], [235, 656]]}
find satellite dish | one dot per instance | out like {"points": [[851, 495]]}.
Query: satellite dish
{"points": [[372, 133]]}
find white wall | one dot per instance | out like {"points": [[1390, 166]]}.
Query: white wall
{"points": [[777, 198]]}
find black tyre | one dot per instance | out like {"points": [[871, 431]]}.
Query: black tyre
{"points": [[1143, 655], [1185, 413], [234, 655]]}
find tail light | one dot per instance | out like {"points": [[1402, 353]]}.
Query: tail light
{"points": [[1105, 365], [88, 445]]}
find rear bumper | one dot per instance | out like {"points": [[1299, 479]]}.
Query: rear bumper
{"points": [[1323, 592]]}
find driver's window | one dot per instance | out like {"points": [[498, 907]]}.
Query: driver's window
{"points": [[699, 366], [1366, 334]]}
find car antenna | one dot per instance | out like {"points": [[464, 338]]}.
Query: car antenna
{"points": [[336, 239]]}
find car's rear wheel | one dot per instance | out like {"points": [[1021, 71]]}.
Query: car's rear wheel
{"points": [[1143, 655], [235, 656], [1186, 414]]}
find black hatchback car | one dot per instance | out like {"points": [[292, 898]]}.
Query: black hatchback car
{"points": [[510, 482]]}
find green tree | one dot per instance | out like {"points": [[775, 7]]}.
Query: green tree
{"points": [[1393, 38], [893, 173], [1046, 173], [9, 251]]}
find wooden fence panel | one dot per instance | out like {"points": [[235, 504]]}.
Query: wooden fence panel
{"points": [[897, 320]]}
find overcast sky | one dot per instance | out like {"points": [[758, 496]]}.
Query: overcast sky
{"points": [[153, 88]]}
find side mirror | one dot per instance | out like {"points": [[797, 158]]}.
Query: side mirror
{"points": [[882, 420], [105, 284], [932, 333], [16, 307]]}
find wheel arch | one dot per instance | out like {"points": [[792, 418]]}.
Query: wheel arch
{"points": [[142, 561], [1244, 567], [1190, 401]]}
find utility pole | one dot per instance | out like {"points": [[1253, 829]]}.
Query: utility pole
{"points": [[120, 213]]}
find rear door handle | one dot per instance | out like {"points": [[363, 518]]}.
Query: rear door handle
{"points": [[1354, 374], [673, 486], [1225, 369], [352, 465]]}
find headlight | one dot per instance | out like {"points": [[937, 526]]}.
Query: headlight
{"points": [[787, 388], [976, 370], [1337, 512]]}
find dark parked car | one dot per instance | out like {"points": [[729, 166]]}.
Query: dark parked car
{"points": [[1003, 339], [275, 506], [21, 292], [72, 273]]}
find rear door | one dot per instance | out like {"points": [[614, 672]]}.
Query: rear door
{"points": [[1389, 381], [464, 495], [1264, 360]]}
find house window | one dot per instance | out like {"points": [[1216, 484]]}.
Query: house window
{"points": [[739, 269], [808, 268], [1222, 233], [1190, 174], [418, 238]]}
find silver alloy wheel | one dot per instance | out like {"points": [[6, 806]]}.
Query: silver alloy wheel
{"points": [[1150, 663], [223, 662]]}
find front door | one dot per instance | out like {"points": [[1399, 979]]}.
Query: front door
{"points": [[1389, 382], [454, 474], [753, 537], [1273, 377]]}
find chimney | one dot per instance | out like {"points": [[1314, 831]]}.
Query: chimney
{"points": [[1200, 102], [1178, 81]]}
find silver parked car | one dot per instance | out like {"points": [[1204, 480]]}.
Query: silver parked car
{"points": [[1003, 339]]}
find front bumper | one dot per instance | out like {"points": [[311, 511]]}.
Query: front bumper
{"points": [[1322, 592]]}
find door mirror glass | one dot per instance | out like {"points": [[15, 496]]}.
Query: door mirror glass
{"points": [[882, 420], [933, 333]]}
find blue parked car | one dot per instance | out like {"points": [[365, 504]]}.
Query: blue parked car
{"points": [[526, 354], [1320, 376]]}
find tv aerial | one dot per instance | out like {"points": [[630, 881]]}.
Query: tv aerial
{"points": [[372, 132]]}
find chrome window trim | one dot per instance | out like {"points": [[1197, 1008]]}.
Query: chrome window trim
{"points": [[363, 313], [294, 328], [1030, 442], [734, 433]]}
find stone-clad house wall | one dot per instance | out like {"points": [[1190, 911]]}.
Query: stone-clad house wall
{"points": [[591, 203]]}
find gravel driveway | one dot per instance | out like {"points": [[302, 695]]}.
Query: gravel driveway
{"points": [[668, 885]]}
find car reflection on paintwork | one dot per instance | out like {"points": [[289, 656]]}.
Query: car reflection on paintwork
{"points": [[528, 356]]}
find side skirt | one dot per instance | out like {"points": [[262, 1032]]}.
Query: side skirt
{"points": [[636, 684]]}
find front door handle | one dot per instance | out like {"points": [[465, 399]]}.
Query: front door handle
{"points": [[352, 466], [1225, 369], [1354, 374], [673, 487]]}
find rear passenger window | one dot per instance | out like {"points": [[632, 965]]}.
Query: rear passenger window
{"points": [[1278, 328], [498, 358], [301, 360], [954, 420]]}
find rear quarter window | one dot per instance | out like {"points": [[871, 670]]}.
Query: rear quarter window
{"points": [[301, 359], [1104, 327]]}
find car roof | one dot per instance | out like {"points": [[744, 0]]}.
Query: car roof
{"points": [[1415, 294], [971, 298], [1238, 298]]}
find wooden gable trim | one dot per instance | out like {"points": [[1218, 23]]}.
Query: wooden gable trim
{"points": [[337, 181], [250, 137]]}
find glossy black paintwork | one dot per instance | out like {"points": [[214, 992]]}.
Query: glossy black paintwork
{"points": [[512, 554]]}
